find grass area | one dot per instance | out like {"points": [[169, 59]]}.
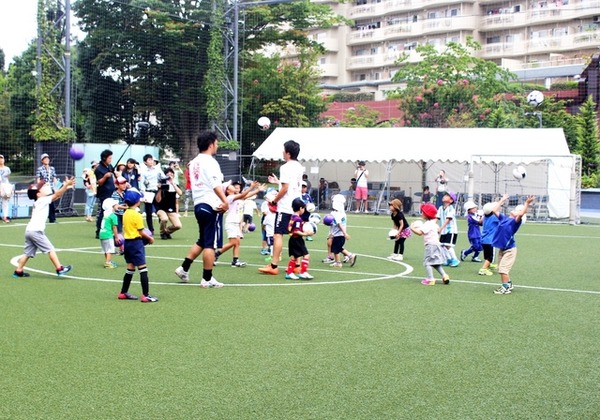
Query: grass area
{"points": [[362, 342]]}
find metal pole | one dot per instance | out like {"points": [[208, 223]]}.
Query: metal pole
{"points": [[68, 64]]}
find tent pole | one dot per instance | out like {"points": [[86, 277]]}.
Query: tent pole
{"points": [[471, 182]]}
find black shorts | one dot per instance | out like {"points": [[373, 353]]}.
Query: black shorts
{"points": [[209, 226], [448, 239], [282, 222], [247, 218], [488, 252], [337, 244], [297, 247]]}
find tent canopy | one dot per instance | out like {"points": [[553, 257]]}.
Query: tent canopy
{"points": [[415, 144]]}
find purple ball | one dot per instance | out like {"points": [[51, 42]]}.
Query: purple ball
{"points": [[251, 227], [149, 233], [76, 153], [328, 220]]}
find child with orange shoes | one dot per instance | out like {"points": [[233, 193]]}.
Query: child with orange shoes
{"points": [[297, 268], [434, 256]]}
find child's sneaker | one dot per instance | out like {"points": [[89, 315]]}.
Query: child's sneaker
{"points": [[264, 251], [428, 282], [238, 264], [346, 259], [267, 269], [493, 266], [110, 265], [462, 255], [448, 261], [182, 274], [127, 296], [212, 283], [305, 276], [446, 279], [64, 270], [336, 265], [391, 257], [453, 263], [398, 257], [22, 274], [309, 238], [476, 259], [352, 260], [148, 298], [502, 291], [328, 260], [485, 272], [510, 285], [291, 276]]}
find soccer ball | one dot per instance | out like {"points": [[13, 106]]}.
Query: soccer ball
{"points": [[535, 98], [310, 207], [314, 219], [251, 227], [417, 224], [264, 123], [392, 234], [519, 173], [149, 233], [308, 228], [328, 220], [76, 153]]}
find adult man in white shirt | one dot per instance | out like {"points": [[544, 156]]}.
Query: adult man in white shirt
{"points": [[291, 187], [149, 182], [209, 205]]}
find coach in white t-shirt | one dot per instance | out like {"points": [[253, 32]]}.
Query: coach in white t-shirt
{"points": [[290, 177], [210, 203]]}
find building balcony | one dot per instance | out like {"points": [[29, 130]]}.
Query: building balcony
{"points": [[395, 6], [365, 62], [575, 42], [538, 16], [330, 44], [328, 70], [413, 29]]}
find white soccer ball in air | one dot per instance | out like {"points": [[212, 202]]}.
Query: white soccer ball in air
{"points": [[314, 219], [519, 173], [310, 207], [264, 123], [535, 98]]}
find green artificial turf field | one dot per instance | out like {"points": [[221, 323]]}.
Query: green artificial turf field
{"points": [[362, 342]]}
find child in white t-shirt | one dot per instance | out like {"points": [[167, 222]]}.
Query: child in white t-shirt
{"points": [[35, 236]]}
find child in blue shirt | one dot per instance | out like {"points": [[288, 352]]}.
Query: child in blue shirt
{"points": [[490, 224], [474, 222], [504, 240]]}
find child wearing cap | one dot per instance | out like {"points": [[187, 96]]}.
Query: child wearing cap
{"points": [[35, 236], [504, 240], [134, 251], [474, 222], [338, 233], [121, 186], [108, 231], [448, 230], [490, 224], [434, 255]]}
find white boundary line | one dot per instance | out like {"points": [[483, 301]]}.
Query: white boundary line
{"points": [[405, 274]]}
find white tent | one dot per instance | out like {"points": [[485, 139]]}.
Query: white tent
{"points": [[477, 160]]}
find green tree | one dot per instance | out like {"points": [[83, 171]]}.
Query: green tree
{"points": [[452, 88], [588, 138]]}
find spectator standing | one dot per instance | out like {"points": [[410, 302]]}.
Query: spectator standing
{"points": [[150, 179], [105, 181], [166, 205], [442, 187], [89, 183], [6, 188], [47, 174], [362, 189], [131, 173]]}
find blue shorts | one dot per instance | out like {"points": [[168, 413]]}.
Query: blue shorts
{"points": [[476, 244], [134, 252], [209, 226]]}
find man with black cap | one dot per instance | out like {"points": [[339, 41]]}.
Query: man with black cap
{"points": [[46, 173]]}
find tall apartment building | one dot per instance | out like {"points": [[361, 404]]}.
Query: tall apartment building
{"points": [[541, 40]]}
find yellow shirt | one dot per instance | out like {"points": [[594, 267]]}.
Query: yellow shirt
{"points": [[132, 224]]}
